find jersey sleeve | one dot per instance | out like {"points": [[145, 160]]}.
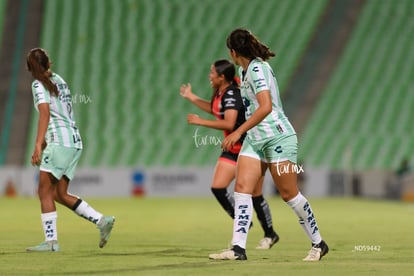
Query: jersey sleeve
{"points": [[40, 94], [232, 100], [258, 78]]}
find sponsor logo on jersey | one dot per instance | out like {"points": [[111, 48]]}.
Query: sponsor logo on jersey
{"points": [[229, 102]]}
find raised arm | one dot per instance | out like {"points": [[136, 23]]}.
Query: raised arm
{"points": [[187, 93]]}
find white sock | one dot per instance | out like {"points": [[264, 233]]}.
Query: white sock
{"points": [[307, 220], [86, 211], [243, 209], [49, 225]]}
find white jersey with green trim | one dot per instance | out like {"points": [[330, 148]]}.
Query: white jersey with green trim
{"points": [[62, 128], [258, 77]]}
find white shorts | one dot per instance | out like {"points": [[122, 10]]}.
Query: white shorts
{"points": [[60, 161]]}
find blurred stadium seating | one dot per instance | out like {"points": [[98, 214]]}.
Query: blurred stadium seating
{"points": [[2, 18], [2, 14], [125, 61], [364, 118]]}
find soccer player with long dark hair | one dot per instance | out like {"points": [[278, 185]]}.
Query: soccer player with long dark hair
{"points": [[57, 150], [227, 106], [270, 143]]}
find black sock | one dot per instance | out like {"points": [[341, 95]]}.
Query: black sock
{"points": [[263, 215], [225, 199]]}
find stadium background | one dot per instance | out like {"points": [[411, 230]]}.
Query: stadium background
{"points": [[344, 70]]}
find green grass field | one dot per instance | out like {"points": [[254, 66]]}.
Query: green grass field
{"points": [[174, 237]]}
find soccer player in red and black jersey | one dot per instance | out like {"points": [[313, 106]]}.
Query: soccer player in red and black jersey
{"points": [[227, 106]]}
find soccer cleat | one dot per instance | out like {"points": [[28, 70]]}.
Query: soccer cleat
{"points": [[47, 246], [235, 253], [105, 227], [268, 242], [317, 252]]}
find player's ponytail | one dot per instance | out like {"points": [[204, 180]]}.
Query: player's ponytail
{"points": [[247, 45], [38, 64]]}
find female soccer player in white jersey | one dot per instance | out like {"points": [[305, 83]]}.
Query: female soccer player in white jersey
{"points": [[227, 106], [271, 142], [57, 151]]}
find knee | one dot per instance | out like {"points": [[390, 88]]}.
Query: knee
{"points": [[287, 195], [61, 197], [243, 187]]}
